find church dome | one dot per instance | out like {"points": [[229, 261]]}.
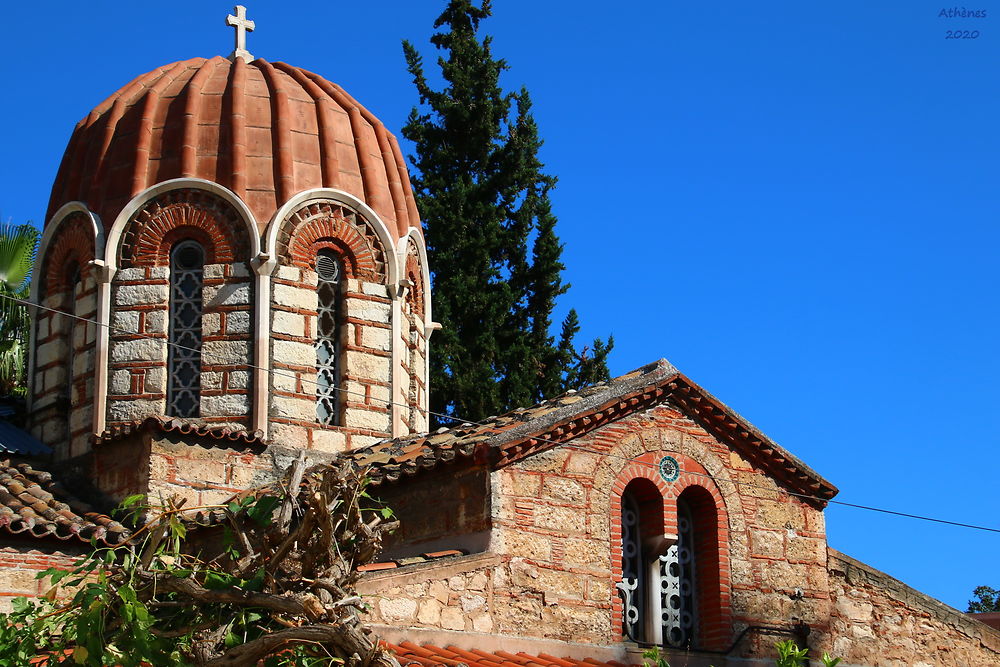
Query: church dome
{"points": [[266, 131]]}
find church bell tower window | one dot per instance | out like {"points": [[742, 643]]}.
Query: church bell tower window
{"points": [[187, 262], [329, 271]]}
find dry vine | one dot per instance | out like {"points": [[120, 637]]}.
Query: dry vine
{"points": [[267, 577]]}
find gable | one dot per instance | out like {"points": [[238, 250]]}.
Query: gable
{"points": [[516, 435]]}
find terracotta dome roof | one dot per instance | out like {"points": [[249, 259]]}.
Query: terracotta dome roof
{"points": [[264, 130]]}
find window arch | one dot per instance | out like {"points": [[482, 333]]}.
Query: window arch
{"points": [[329, 271], [670, 566], [187, 262]]}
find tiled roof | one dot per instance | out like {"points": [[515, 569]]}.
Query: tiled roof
{"points": [[32, 504], [223, 434], [502, 440], [15, 441], [429, 655]]}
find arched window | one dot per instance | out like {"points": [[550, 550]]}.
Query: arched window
{"points": [[187, 262], [329, 271], [659, 578]]}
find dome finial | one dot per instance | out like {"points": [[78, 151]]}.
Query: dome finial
{"points": [[243, 26]]}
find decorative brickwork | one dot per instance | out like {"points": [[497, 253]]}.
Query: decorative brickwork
{"points": [[140, 310], [178, 215], [414, 338], [63, 391], [329, 224], [365, 321]]}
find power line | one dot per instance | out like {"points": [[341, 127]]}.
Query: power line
{"points": [[568, 445]]}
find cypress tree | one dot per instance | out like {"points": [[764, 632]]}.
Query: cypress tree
{"points": [[492, 247]]}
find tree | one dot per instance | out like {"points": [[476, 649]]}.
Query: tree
{"points": [[492, 247], [17, 255], [989, 600], [278, 586]]}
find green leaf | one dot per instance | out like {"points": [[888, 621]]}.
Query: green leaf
{"points": [[262, 509]]}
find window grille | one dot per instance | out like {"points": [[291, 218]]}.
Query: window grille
{"points": [[329, 271], [187, 262], [657, 586]]}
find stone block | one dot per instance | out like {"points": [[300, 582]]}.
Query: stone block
{"points": [[158, 272], [239, 379], [429, 612], [566, 490], [121, 381], [43, 327], [310, 278], [288, 273], [237, 294], [239, 270], [482, 622], [365, 366], [376, 338], [582, 463], [374, 289], [142, 349], [236, 352], [135, 295], [586, 553], [397, 609], [288, 435], [283, 379], [214, 271], [293, 408], [81, 417], [366, 419], [211, 380], [125, 321], [293, 353], [130, 274], [54, 350], [225, 405], [517, 483], [452, 618], [767, 543], [156, 380], [771, 514], [290, 324], [515, 542], [372, 311], [211, 324], [562, 519], [806, 549], [127, 410], [83, 363], [329, 441], [471, 602], [293, 297], [552, 460], [156, 321], [202, 470], [238, 322]]}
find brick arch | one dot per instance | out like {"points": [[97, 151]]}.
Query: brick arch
{"points": [[329, 224], [177, 215], [72, 246], [711, 530]]}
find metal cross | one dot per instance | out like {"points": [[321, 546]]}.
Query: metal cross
{"points": [[243, 26]]}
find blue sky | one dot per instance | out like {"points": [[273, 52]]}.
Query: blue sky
{"points": [[796, 203]]}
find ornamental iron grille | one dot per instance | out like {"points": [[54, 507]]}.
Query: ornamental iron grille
{"points": [[329, 271], [187, 262], [631, 586], [677, 583], [657, 589]]}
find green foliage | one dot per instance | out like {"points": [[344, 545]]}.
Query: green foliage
{"points": [[988, 600], [132, 604], [790, 655], [18, 244], [492, 247], [652, 657]]}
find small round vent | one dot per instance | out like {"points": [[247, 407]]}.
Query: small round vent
{"points": [[328, 266], [188, 255]]}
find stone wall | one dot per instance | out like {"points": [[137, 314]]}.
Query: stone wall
{"points": [[878, 620], [364, 368], [138, 356], [22, 560], [555, 534]]}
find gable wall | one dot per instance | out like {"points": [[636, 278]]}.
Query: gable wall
{"points": [[555, 526]]}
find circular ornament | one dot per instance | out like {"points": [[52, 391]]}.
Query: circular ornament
{"points": [[670, 469]]}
